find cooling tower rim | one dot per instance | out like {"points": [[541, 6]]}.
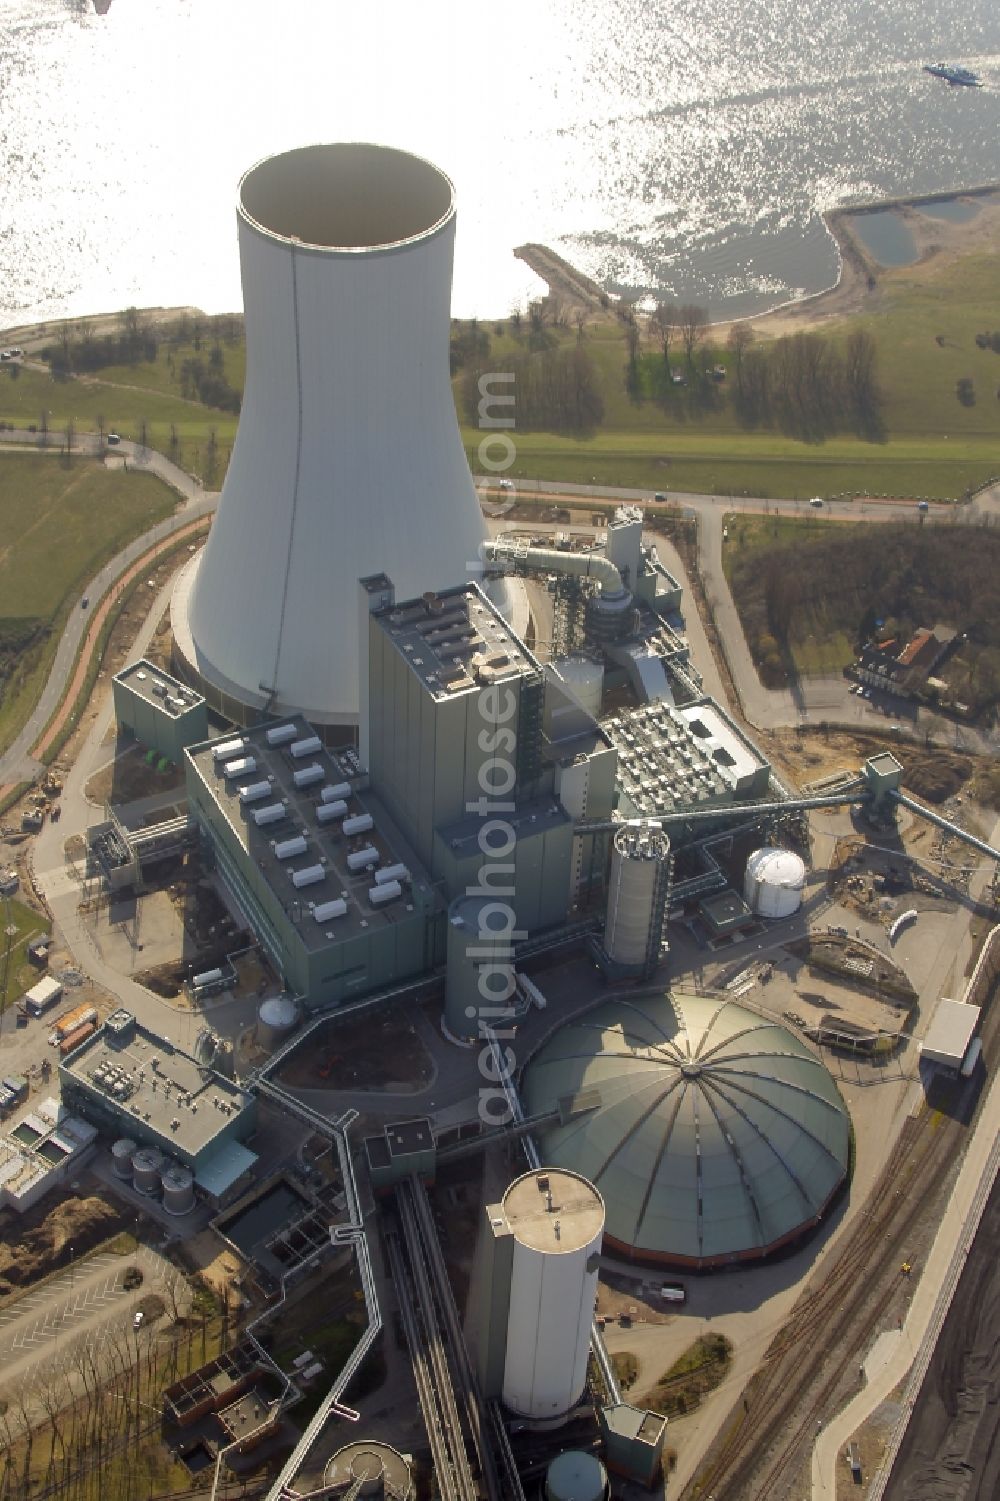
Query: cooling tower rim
{"points": [[436, 224]]}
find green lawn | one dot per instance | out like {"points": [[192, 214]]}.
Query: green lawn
{"points": [[59, 524], [29, 924]]}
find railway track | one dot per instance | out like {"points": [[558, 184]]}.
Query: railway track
{"points": [[807, 1361], [412, 1275]]}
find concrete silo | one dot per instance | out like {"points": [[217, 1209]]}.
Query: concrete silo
{"points": [[348, 459], [576, 1476], [146, 1165], [638, 891], [556, 1221], [121, 1156]]}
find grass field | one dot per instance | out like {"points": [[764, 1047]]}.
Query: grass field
{"points": [[59, 524], [924, 332], [20, 975]]}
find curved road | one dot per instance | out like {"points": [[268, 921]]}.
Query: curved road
{"points": [[17, 763]]}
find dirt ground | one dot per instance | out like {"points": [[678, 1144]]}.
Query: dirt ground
{"points": [[369, 1051], [129, 777], [38, 1242]]}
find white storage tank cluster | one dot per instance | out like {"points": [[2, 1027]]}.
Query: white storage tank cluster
{"points": [[146, 1165], [277, 1019], [634, 893], [178, 1189], [121, 1157], [576, 1476], [557, 1220], [774, 882]]}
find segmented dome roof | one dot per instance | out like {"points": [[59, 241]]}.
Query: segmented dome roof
{"points": [[714, 1133]]}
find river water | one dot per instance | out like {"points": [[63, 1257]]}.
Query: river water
{"points": [[681, 148]]}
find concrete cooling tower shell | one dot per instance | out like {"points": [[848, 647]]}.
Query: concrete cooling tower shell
{"points": [[717, 1135], [348, 459]]}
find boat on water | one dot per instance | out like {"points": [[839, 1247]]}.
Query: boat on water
{"points": [[952, 73]]}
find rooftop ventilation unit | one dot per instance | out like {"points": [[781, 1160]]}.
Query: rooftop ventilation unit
{"points": [[326, 910], [289, 847], [308, 776], [359, 824], [334, 794], [307, 747], [361, 858], [328, 812], [271, 814], [226, 749], [307, 876], [281, 734], [254, 792]]}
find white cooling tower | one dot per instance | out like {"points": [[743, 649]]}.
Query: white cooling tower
{"points": [[348, 459]]}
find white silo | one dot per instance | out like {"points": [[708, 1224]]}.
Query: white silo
{"points": [[178, 1189], [146, 1163], [637, 897], [348, 459], [121, 1157], [556, 1219], [774, 882]]}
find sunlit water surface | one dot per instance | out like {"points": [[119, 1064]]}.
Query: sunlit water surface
{"points": [[679, 148]]}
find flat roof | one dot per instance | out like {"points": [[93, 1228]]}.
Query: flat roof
{"points": [[531, 818], [326, 844], [726, 909], [455, 641], [567, 1222], [158, 688], [952, 1028], [223, 1166], [670, 759], [146, 1077]]}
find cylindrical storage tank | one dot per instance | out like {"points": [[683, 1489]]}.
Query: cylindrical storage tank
{"points": [[775, 879], [480, 967], [576, 1476], [277, 1019], [584, 679], [637, 894], [557, 1221], [346, 259], [178, 1189], [121, 1157], [146, 1165]]}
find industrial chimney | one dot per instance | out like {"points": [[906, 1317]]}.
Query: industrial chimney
{"points": [[348, 459]]}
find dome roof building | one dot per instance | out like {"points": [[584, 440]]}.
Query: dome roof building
{"points": [[717, 1135]]}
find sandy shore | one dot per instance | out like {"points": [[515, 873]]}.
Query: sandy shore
{"points": [[860, 284]]}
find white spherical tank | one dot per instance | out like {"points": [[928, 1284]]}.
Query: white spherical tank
{"points": [[121, 1157], [774, 882], [576, 1476], [277, 1019], [178, 1189], [557, 1221], [348, 459], [146, 1164], [637, 894], [584, 678]]}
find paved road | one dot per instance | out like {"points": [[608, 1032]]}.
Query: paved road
{"points": [[17, 763]]}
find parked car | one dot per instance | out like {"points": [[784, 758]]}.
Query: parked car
{"points": [[137, 1320]]}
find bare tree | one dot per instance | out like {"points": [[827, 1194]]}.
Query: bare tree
{"points": [[664, 321], [693, 323], [741, 336]]}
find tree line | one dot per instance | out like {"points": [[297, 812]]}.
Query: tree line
{"points": [[555, 391]]}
